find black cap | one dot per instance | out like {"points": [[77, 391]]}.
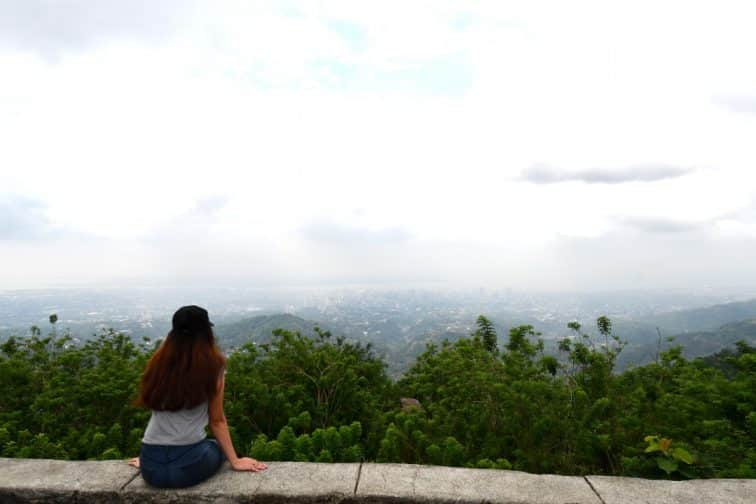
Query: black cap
{"points": [[191, 319]]}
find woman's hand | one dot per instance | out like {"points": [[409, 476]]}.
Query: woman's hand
{"points": [[248, 464], [134, 462]]}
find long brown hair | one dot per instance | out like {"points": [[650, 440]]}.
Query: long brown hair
{"points": [[182, 373]]}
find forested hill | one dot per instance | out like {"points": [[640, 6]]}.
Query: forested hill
{"points": [[701, 332], [260, 329], [694, 344], [697, 344], [703, 319], [645, 330]]}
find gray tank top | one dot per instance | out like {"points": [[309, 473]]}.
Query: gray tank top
{"points": [[182, 427]]}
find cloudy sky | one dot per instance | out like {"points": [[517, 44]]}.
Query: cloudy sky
{"points": [[548, 145]]}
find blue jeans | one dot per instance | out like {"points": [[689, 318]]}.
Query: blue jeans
{"points": [[178, 466]]}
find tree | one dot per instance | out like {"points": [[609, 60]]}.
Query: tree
{"points": [[487, 333], [325, 399]]}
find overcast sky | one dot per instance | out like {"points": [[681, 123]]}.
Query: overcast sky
{"points": [[547, 145]]}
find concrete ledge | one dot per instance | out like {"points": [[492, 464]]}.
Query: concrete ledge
{"points": [[639, 491], [36, 481], [280, 482], [39, 480], [425, 483]]}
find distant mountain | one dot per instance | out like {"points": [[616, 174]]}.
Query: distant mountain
{"points": [[260, 329], [703, 319], [640, 331], [701, 331], [695, 344]]}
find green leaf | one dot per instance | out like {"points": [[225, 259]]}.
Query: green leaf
{"points": [[667, 465], [652, 447], [682, 454]]}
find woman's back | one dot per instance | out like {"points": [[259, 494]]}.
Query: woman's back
{"points": [[186, 369], [182, 427]]}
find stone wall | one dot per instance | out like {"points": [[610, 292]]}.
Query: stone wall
{"points": [[36, 481]]}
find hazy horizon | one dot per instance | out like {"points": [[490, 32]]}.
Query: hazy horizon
{"points": [[740, 290], [539, 146]]}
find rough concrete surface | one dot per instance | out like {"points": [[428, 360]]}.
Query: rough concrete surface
{"points": [[423, 483], [62, 482], [29, 480], [615, 490], [280, 482]]}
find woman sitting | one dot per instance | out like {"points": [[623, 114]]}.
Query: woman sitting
{"points": [[183, 385]]}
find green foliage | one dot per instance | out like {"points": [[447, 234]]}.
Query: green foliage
{"points": [[487, 333], [69, 401], [670, 456], [320, 398], [307, 383], [324, 445]]}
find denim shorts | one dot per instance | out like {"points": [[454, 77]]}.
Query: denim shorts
{"points": [[178, 466]]}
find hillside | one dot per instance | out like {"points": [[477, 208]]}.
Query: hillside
{"points": [[260, 328], [703, 319], [701, 331], [695, 344]]}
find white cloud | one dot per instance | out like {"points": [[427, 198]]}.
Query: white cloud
{"points": [[293, 120], [50, 27], [542, 174], [738, 103]]}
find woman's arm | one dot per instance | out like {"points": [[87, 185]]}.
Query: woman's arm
{"points": [[219, 428]]}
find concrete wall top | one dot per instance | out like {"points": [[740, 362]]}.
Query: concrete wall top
{"points": [[37, 480]]}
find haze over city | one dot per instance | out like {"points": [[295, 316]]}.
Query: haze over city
{"points": [[533, 145]]}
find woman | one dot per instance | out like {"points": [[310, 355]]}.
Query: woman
{"points": [[183, 385]]}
